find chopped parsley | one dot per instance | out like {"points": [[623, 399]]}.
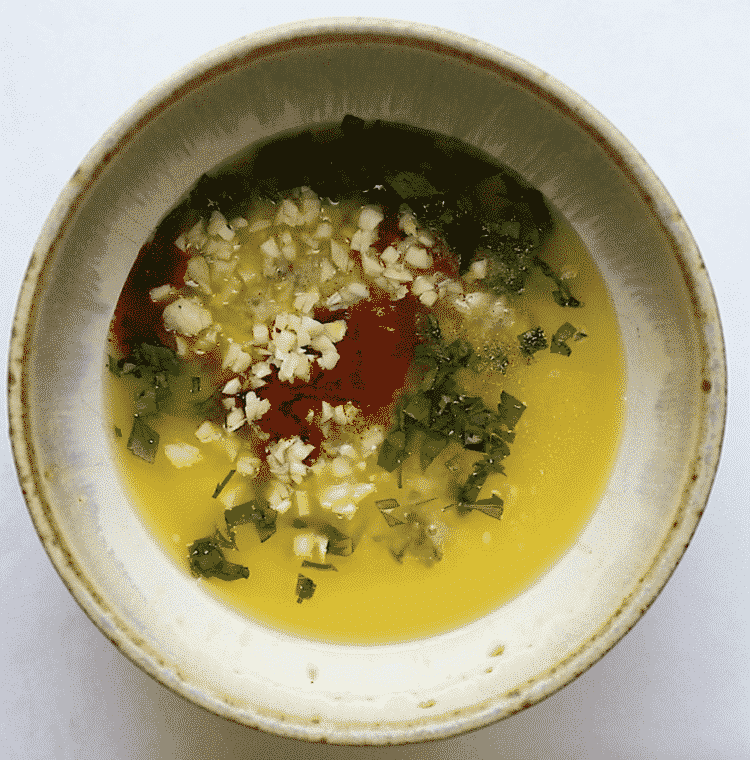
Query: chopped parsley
{"points": [[438, 413], [319, 565], [305, 588], [152, 367], [558, 344], [532, 341], [220, 486], [257, 512], [339, 544], [143, 441], [562, 296], [493, 507], [207, 560]]}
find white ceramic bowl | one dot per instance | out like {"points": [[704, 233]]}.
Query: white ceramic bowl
{"points": [[292, 77]]}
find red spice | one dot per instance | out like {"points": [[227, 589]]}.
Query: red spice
{"points": [[137, 318], [376, 353]]}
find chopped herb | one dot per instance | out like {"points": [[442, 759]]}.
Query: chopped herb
{"points": [[562, 295], [220, 486], [143, 441], [499, 361], [532, 341], [558, 344], [257, 512], [195, 385], [118, 432], [392, 450], [433, 444], [151, 365], [299, 524], [510, 410], [339, 544], [145, 403], [493, 507], [398, 552], [409, 532], [469, 492], [221, 540], [387, 504], [207, 559], [318, 565], [418, 408], [387, 507], [157, 358], [412, 185], [437, 413], [305, 588], [205, 407]]}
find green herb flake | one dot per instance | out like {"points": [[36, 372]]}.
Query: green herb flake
{"points": [[221, 540], [195, 385], [510, 229], [510, 410], [412, 185], [145, 403], [207, 406], [220, 486], [257, 512], [532, 341], [143, 441], [433, 444], [118, 432], [562, 296], [387, 504], [158, 358], [392, 450], [339, 544], [319, 565], [207, 559], [558, 344], [418, 408], [305, 588], [492, 507], [391, 520]]}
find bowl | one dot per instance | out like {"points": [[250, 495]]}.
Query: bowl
{"points": [[289, 78]]}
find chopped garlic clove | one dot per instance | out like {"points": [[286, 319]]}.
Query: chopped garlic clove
{"points": [[369, 218], [186, 316], [233, 387], [182, 454], [235, 419], [162, 293], [208, 432], [255, 407]]}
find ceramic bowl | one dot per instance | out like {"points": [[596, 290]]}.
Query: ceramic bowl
{"points": [[289, 78]]}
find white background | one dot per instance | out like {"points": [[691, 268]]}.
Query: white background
{"points": [[673, 76]]}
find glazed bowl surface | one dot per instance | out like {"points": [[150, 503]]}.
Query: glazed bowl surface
{"points": [[289, 78]]}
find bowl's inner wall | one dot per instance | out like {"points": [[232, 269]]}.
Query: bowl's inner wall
{"points": [[184, 631]]}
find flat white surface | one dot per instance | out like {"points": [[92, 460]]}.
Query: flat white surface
{"points": [[673, 76]]}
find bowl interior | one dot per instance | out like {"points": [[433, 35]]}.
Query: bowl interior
{"points": [[288, 79]]}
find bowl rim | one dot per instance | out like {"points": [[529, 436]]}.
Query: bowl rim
{"points": [[598, 128]]}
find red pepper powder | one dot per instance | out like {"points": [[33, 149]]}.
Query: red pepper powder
{"points": [[375, 356]]}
